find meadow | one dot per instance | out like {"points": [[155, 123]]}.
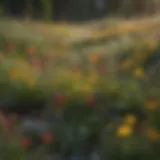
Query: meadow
{"points": [[97, 97]]}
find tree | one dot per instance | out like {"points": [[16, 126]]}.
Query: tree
{"points": [[47, 9]]}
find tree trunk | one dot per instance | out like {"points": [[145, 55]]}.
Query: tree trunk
{"points": [[47, 9]]}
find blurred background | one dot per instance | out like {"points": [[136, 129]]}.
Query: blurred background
{"points": [[74, 10], [79, 79]]}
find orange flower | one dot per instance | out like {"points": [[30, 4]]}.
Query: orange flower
{"points": [[76, 70], [152, 103], [31, 51], [153, 134], [47, 138], [14, 73], [139, 72], [26, 141], [93, 58]]}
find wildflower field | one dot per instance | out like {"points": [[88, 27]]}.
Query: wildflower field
{"points": [[94, 99]]}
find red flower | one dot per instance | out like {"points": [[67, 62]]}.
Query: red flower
{"points": [[102, 69], [31, 51], [26, 141], [60, 99], [76, 70], [152, 101], [47, 138], [91, 100]]}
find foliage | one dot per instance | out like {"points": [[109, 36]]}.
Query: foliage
{"points": [[10, 147], [72, 102]]}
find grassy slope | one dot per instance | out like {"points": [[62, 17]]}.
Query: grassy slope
{"points": [[35, 30], [109, 34]]}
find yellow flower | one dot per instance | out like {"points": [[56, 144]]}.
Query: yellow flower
{"points": [[93, 78], [139, 73], [23, 75], [130, 119], [76, 78], [140, 57], [124, 130], [153, 134], [31, 81], [14, 74], [152, 44], [20, 62]]}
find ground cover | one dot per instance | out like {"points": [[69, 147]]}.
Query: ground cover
{"points": [[89, 97]]}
